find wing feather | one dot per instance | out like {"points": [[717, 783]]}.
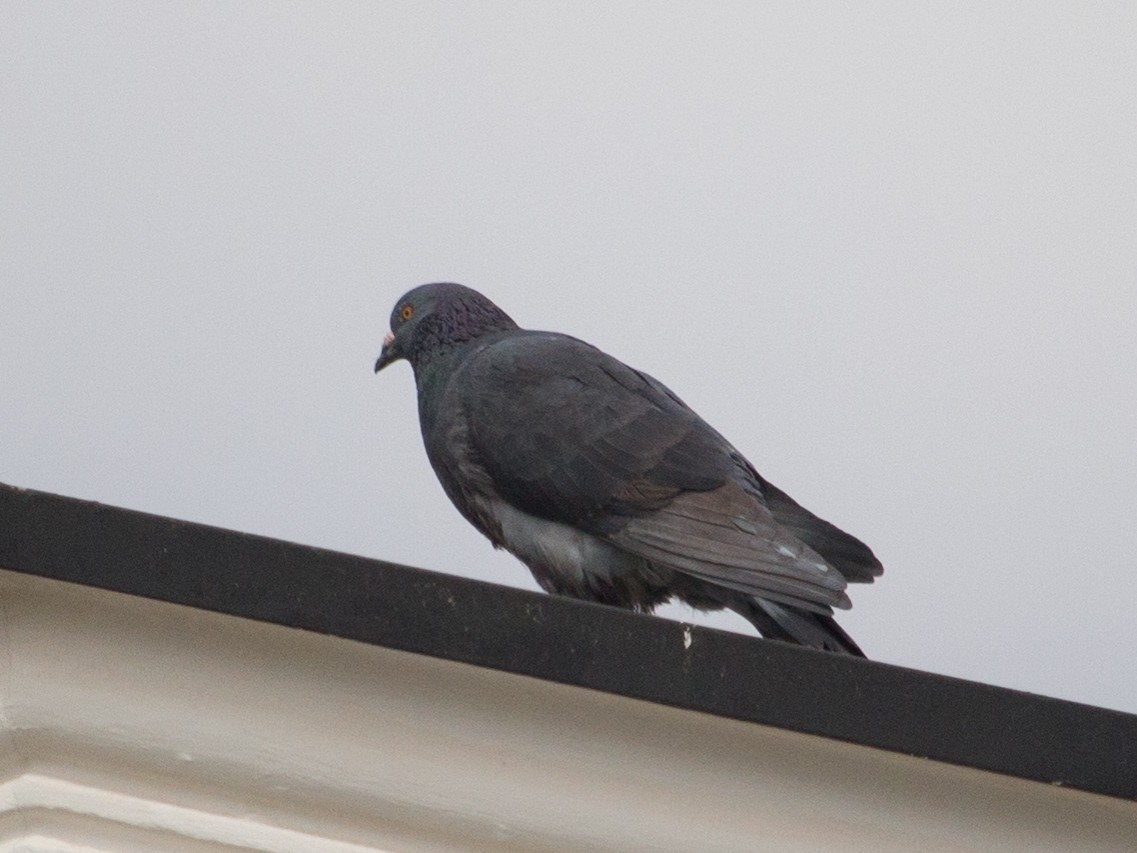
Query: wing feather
{"points": [[569, 434], [718, 537]]}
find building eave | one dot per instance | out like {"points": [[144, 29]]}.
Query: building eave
{"points": [[447, 708]]}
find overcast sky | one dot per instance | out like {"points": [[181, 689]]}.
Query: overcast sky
{"points": [[889, 252]]}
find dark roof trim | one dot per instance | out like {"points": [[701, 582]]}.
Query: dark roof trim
{"points": [[558, 639]]}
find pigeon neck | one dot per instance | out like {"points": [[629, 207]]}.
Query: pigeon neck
{"points": [[436, 366], [446, 354], [441, 334]]}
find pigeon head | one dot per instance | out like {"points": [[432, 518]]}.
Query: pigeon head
{"points": [[432, 319]]}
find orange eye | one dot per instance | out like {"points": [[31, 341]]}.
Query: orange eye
{"points": [[406, 311]]}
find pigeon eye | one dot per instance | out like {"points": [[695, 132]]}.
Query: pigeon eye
{"points": [[406, 311]]}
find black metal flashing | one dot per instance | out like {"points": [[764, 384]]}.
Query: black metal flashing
{"points": [[558, 639]]}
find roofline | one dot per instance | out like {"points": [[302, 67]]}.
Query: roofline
{"points": [[572, 642]]}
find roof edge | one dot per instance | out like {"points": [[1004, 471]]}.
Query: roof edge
{"points": [[572, 642]]}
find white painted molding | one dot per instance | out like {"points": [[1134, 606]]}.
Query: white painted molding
{"points": [[128, 724]]}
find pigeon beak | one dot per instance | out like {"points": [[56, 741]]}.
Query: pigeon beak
{"points": [[388, 353]]}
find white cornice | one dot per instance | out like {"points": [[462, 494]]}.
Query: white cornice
{"points": [[128, 724]]}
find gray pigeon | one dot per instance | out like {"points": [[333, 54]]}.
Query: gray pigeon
{"points": [[604, 483]]}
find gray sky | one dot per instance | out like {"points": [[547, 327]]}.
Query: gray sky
{"points": [[888, 251]]}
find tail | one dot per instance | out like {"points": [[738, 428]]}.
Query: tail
{"points": [[791, 625]]}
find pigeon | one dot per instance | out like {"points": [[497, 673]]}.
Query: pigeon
{"points": [[606, 484]]}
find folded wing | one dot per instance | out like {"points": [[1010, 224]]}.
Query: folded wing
{"points": [[569, 434]]}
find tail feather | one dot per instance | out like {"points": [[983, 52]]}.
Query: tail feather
{"points": [[789, 624]]}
